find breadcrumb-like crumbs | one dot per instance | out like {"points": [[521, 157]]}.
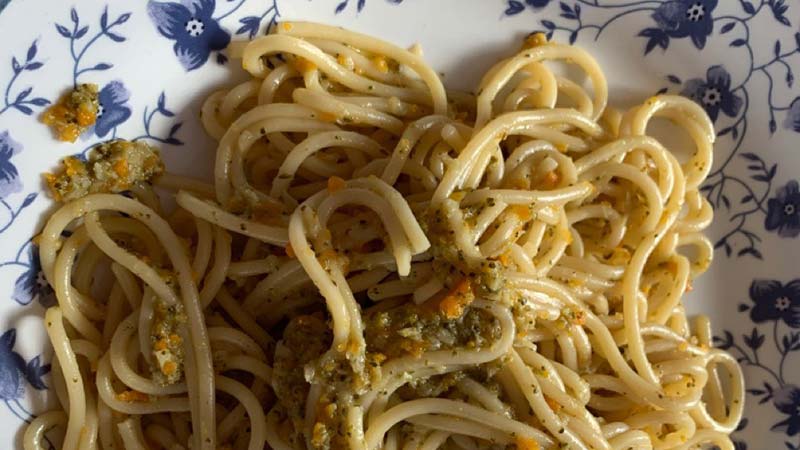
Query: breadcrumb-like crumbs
{"points": [[74, 112], [112, 167]]}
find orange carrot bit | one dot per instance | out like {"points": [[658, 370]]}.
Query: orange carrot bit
{"points": [[303, 65], [504, 259], [133, 397], [169, 368], [522, 211], [121, 168], [335, 184], [554, 405], [290, 251], [327, 117], [689, 287], [161, 345], [551, 179], [453, 304], [527, 444], [175, 340]]}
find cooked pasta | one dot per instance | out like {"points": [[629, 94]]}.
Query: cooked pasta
{"points": [[382, 263]]}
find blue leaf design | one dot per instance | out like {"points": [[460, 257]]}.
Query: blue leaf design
{"points": [[738, 43], [750, 156], [33, 66], [777, 49], [31, 52], [104, 19], [62, 30], [29, 199], [565, 8], [573, 37], [657, 38], [22, 95], [175, 128], [15, 65], [727, 27], [161, 100], [122, 19], [514, 7], [102, 66], [548, 24], [73, 15], [250, 25], [23, 109], [673, 79], [82, 32], [797, 39], [174, 141], [115, 37], [340, 7], [40, 101], [748, 7], [360, 5]]}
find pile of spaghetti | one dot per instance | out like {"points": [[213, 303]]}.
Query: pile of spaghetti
{"points": [[382, 263]]}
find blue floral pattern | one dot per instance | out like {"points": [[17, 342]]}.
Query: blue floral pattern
{"points": [[360, 4], [775, 301], [774, 305], [9, 180], [714, 93], [22, 101], [680, 19], [192, 26], [78, 47], [113, 107], [9, 175], [31, 285], [251, 25], [783, 211], [16, 373], [787, 401]]}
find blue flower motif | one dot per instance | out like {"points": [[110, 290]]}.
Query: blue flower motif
{"points": [[792, 121], [112, 110], [31, 284], [191, 25], [9, 176], [686, 18], [783, 211], [775, 301], [13, 369], [787, 401], [714, 93], [679, 19]]}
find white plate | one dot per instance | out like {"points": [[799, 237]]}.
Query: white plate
{"points": [[736, 57]]}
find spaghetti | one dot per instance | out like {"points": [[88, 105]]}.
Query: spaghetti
{"points": [[382, 263]]}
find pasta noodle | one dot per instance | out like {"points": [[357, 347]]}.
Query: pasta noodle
{"points": [[384, 264]]}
